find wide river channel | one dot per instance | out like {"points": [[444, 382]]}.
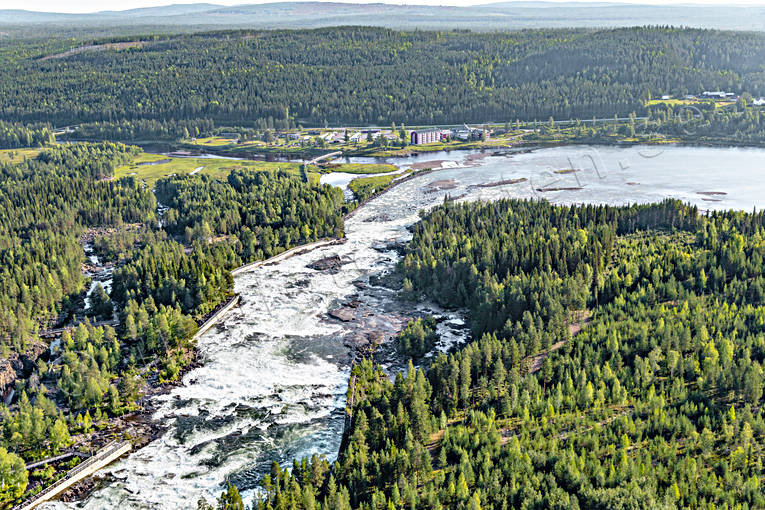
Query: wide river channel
{"points": [[274, 371]]}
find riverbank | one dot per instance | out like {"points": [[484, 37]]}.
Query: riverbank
{"points": [[388, 188], [297, 250], [270, 383], [140, 426], [515, 141]]}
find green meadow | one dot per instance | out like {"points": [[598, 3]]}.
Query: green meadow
{"points": [[152, 167], [16, 155]]}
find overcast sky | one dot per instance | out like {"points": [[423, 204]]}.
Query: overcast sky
{"points": [[101, 5]]}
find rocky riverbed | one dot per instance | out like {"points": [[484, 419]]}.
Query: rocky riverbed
{"points": [[273, 374]]}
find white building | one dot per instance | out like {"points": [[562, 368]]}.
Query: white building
{"points": [[468, 133], [719, 94]]}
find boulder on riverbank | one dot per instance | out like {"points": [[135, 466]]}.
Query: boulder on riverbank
{"points": [[19, 366]]}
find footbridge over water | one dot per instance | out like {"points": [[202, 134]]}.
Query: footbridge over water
{"points": [[101, 459], [325, 156]]}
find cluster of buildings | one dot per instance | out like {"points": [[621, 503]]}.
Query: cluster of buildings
{"points": [[416, 137], [465, 133], [338, 137], [374, 134], [707, 94], [329, 137], [718, 95]]}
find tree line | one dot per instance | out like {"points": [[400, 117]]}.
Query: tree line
{"points": [[704, 121], [616, 362], [15, 135]]}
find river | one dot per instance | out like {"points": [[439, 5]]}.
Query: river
{"points": [[274, 371]]}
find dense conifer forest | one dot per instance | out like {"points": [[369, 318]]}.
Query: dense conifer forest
{"points": [[165, 282], [15, 135], [361, 76], [615, 355], [617, 364]]}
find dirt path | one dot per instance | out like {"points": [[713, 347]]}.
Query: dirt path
{"points": [[97, 47], [509, 433], [581, 319]]}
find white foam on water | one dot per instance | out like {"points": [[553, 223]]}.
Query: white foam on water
{"points": [[274, 372]]}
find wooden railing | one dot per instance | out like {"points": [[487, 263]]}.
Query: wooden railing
{"points": [[102, 458], [55, 459]]}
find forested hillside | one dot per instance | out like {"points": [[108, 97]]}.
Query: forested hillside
{"points": [[359, 76], [617, 364], [44, 205], [66, 196]]}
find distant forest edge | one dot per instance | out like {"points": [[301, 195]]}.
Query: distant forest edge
{"points": [[361, 76]]}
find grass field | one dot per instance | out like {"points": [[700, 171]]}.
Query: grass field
{"points": [[152, 167], [675, 102], [364, 187], [671, 102], [16, 155], [213, 141], [359, 168]]}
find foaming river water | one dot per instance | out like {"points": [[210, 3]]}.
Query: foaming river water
{"points": [[274, 372]]}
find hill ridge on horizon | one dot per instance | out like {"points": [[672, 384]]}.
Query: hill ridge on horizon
{"points": [[483, 17]]}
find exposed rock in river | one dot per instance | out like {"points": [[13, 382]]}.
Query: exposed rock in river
{"points": [[571, 188], [389, 245], [299, 284], [499, 183], [433, 165], [440, 185], [331, 263], [345, 314]]}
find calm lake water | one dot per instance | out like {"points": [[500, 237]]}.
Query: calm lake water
{"points": [[712, 178]]}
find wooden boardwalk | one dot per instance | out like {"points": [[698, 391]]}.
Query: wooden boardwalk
{"points": [[297, 250], [325, 156], [217, 316], [48, 333], [101, 459]]}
